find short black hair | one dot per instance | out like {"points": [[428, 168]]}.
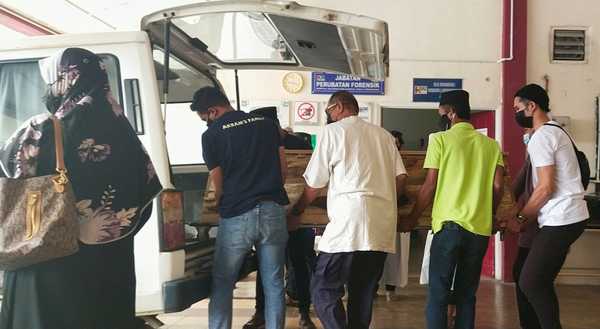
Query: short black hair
{"points": [[346, 98], [535, 93], [208, 97], [458, 100], [397, 135]]}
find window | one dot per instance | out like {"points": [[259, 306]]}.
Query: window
{"points": [[569, 45], [183, 80], [238, 37], [21, 92], [22, 89], [183, 127]]}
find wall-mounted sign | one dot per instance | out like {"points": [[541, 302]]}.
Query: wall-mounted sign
{"points": [[306, 113], [328, 83], [429, 90], [364, 112], [293, 82]]}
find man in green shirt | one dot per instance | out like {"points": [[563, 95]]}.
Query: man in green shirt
{"points": [[464, 180]]}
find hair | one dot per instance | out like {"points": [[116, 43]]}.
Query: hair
{"points": [[463, 112], [397, 135], [208, 97], [346, 98], [534, 93]]}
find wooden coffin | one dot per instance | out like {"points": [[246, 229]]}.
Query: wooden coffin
{"points": [[316, 214]]}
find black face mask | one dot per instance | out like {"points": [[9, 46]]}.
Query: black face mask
{"points": [[52, 102], [444, 122], [329, 119], [522, 120], [209, 121]]}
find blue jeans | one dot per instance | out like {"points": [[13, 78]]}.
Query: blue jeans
{"points": [[454, 247], [265, 228]]}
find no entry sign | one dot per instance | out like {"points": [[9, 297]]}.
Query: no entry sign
{"points": [[306, 113]]}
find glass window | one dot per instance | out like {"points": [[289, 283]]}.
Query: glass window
{"points": [[183, 127], [21, 92], [183, 79], [22, 89], [238, 37], [184, 131]]}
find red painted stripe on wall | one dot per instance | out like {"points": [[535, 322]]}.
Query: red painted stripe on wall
{"points": [[514, 76], [22, 25]]}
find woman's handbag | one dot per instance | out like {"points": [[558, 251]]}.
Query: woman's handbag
{"points": [[38, 215]]}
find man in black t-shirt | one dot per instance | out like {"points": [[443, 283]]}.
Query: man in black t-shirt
{"points": [[300, 250], [246, 160]]}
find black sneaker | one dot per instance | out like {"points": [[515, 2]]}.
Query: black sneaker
{"points": [[257, 322], [305, 322]]}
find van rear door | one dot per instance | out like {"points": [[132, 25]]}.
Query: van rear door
{"points": [[258, 34]]}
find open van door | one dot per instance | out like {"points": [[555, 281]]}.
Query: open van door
{"points": [[188, 44], [266, 34]]}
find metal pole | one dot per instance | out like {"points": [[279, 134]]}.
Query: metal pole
{"points": [[166, 67], [237, 90]]}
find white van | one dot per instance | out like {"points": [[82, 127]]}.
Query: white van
{"points": [[172, 268]]}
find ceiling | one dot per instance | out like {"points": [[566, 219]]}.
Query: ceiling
{"points": [[70, 16]]}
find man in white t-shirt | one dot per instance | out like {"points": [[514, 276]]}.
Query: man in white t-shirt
{"points": [[556, 204], [364, 173]]}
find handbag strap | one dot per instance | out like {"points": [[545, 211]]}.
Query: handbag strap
{"points": [[61, 180], [58, 143]]}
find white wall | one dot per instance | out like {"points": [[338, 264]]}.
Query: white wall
{"points": [[572, 87], [428, 39]]}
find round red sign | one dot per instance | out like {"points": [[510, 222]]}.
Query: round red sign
{"points": [[306, 111]]}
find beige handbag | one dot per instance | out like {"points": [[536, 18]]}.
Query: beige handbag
{"points": [[38, 216]]}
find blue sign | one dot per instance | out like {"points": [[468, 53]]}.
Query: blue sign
{"points": [[429, 90], [328, 83]]}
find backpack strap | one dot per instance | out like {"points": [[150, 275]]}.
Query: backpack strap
{"points": [[563, 129]]}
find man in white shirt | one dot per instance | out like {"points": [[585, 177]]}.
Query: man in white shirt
{"points": [[364, 173], [556, 204]]}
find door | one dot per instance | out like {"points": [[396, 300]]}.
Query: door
{"points": [[258, 34]]}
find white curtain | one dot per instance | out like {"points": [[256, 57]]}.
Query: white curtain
{"points": [[21, 92]]}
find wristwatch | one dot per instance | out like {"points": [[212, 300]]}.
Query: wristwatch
{"points": [[521, 219]]}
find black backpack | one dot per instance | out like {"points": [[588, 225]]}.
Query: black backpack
{"points": [[584, 165]]}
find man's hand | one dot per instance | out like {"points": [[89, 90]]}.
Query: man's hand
{"points": [[514, 226], [498, 224], [406, 224], [293, 222]]}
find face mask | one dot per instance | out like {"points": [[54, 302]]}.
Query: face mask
{"points": [[329, 119], [52, 101], [328, 113], [209, 121], [522, 120], [526, 138], [444, 122]]}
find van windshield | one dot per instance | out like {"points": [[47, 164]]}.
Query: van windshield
{"points": [[22, 89]]}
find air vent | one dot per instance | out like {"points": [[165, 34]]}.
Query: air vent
{"points": [[569, 45]]}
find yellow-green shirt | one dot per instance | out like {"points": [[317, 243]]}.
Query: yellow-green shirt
{"points": [[467, 162]]}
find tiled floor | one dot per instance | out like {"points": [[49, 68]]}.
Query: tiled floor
{"points": [[496, 309]]}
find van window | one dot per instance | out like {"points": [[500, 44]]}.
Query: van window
{"points": [[22, 89], [183, 79], [183, 127], [238, 37]]}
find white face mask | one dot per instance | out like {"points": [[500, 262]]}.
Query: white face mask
{"points": [[526, 138]]}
